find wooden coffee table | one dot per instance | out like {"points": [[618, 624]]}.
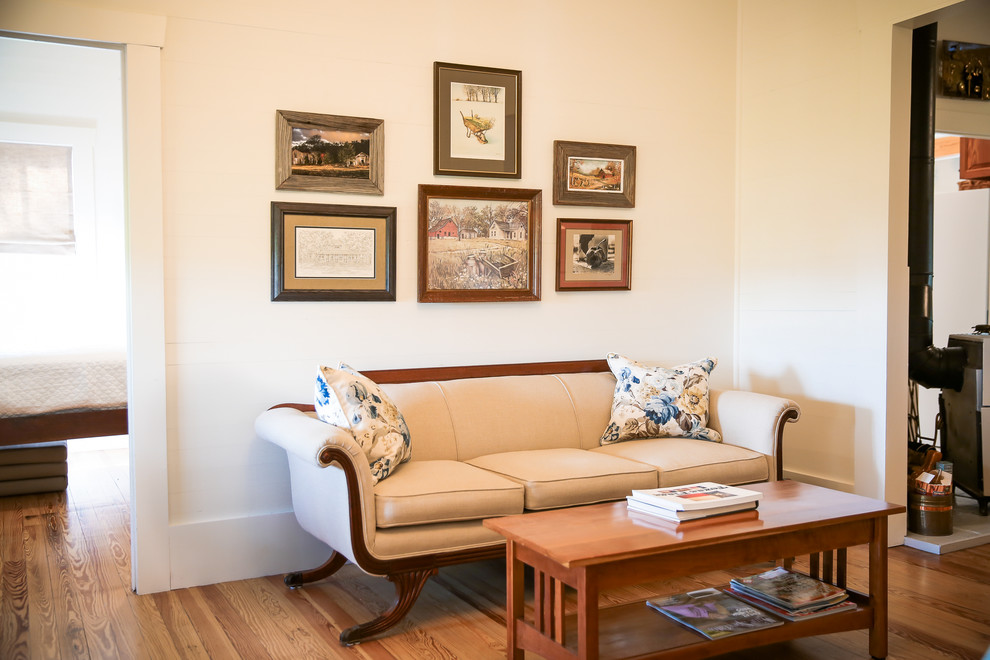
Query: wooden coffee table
{"points": [[602, 546]]}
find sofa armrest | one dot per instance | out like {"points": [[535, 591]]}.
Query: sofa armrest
{"points": [[753, 420], [307, 437]]}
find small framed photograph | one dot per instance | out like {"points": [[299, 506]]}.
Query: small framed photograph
{"points": [[479, 244], [594, 255], [588, 174], [477, 121], [332, 252], [329, 153]]}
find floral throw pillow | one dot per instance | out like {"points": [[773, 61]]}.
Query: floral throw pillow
{"points": [[655, 402], [347, 399]]}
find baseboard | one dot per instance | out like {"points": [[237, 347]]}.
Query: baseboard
{"points": [[241, 548], [814, 480]]}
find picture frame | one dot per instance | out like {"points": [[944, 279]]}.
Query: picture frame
{"points": [[962, 67], [594, 255], [479, 244], [332, 252], [477, 121], [591, 174], [329, 153]]}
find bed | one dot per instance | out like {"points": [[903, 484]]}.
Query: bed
{"points": [[63, 396]]}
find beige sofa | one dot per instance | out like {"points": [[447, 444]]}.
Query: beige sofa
{"points": [[494, 441]]}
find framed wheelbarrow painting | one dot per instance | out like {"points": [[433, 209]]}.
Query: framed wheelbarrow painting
{"points": [[477, 117], [479, 244]]}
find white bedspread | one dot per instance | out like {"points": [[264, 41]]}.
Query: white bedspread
{"points": [[32, 385]]}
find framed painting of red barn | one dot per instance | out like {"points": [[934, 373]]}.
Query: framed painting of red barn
{"points": [[479, 244]]}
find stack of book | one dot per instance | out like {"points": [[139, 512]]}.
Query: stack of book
{"points": [[792, 596], [693, 501]]}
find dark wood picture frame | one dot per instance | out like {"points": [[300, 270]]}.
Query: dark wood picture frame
{"points": [[594, 255], [591, 174], [364, 172], [477, 121], [479, 244], [332, 252]]}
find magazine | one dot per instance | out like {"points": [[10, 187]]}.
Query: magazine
{"points": [[789, 590], [705, 495], [799, 615], [677, 516], [713, 613]]}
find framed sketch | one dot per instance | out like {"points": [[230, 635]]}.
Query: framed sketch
{"points": [[594, 255], [329, 153], [477, 121], [332, 252], [479, 244], [588, 174]]}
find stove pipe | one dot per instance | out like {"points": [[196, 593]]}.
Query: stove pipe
{"points": [[929, 366]]}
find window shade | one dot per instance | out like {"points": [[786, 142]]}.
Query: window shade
{"points": [[36, 199]]}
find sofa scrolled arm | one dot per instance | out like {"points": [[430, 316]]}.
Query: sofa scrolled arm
{"points": [[306, 437]]}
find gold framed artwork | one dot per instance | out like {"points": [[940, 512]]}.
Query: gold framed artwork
{"points": [[477, 121], [594, 255], [479, 244], [329, 153], [590, 174], [332, 252]]}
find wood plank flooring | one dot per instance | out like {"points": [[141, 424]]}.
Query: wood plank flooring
{"points": [[65, 593]]}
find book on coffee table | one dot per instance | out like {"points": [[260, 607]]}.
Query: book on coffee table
{"points": [[794, 592], [713, 613], [678, 516], [694, 497]]}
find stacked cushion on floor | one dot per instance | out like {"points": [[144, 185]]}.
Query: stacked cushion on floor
{"points": [[36, 468]]}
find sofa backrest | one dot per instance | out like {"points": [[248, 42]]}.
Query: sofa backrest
{"points": [[466, 418]]}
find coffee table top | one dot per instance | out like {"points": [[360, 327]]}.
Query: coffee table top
{"points": [[600, 533]]}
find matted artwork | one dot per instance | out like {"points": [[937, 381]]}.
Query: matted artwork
{"points": [[479, 244], [594, 255], [476, 121], [589, 174], [964, 70], [332, 252], [329, 153]]}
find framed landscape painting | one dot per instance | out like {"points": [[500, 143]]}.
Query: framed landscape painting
{"points": [[588, 174], [594, 255], [329, 153], [332, 252], [479, 244], [477, 121]]}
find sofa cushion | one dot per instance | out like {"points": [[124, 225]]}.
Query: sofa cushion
{"points": [[568, 477], [686, 460], [347, 399], [444, 491], [655, 402]]}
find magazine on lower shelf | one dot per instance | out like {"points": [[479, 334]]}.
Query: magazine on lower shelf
{"points": [[799, 615], [713, 613], [693, 497], [678, 516], [789, 590]]}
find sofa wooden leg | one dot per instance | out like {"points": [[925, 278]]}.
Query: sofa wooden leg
{"points": [[407, 589], [299, 578]]}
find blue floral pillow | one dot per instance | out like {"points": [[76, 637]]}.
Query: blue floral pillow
{"points": [[347, 399], [654, 402]]}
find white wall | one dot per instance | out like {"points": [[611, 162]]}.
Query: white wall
{"points": [[822, 240], [588, 75]]}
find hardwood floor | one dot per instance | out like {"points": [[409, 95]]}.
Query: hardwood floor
{"points": [[65, 593]]}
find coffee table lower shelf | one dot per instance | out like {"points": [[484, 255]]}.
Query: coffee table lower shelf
{"points": [[636, 631]]}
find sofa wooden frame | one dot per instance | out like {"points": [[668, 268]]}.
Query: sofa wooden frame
{"points": [[409, 574]]}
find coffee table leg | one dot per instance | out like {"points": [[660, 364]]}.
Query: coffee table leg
{"points": [[587, 611], [878, 588], [514, 600]]}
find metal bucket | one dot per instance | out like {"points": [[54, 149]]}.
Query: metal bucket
{"points": [[930, 515]]}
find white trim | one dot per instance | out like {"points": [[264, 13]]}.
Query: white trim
{"points": [[146, 320]]}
